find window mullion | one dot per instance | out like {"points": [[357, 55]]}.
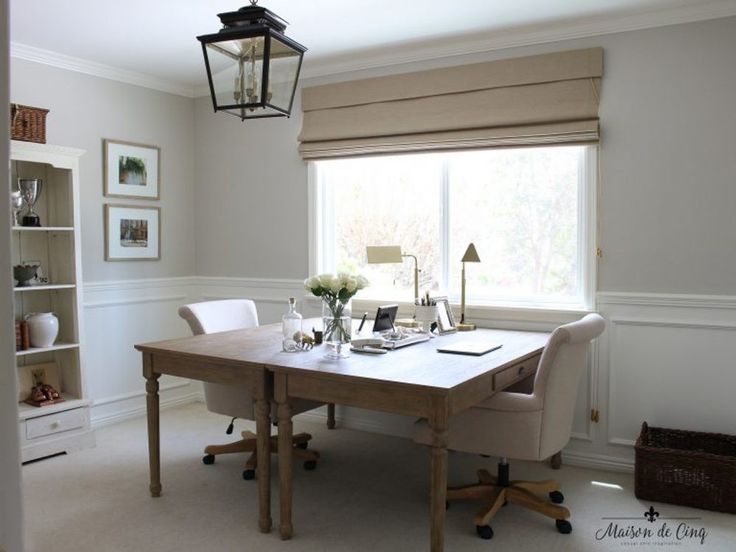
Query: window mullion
{"points": [[445, 226], [328, 235]]}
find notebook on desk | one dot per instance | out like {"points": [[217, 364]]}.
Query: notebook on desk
{"points": [[475, 348]]}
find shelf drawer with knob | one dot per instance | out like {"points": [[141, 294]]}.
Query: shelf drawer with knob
{"points": [[516, 372], [56, 423]]}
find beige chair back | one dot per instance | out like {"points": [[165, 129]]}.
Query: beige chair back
{"points": [[221, 316], [563, 361]]}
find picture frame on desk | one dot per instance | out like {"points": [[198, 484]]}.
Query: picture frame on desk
{"points": [[445, 318]]}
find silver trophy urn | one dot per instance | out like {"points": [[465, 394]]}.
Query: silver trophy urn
{"points": [[30, 189], [16, 202]]}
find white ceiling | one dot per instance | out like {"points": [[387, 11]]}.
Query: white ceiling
{"points": [[157, 37]]}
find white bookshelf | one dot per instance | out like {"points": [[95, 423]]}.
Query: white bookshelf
{"points": [[64, 426]]}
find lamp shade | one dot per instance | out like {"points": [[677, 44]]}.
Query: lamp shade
{"points": [[379, 254], [471, 255], [252, 67]]}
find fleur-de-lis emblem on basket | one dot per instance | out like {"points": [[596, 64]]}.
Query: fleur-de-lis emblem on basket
{"points": [[651, 514]]}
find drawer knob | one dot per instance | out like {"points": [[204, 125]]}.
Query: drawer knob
{"points": [[55, 424], [521, 370]]}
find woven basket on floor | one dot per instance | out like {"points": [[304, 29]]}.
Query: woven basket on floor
{"points": [[690, 468], [28, 123]]}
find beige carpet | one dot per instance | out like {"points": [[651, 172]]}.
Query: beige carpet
{"points": [[368, 493]]}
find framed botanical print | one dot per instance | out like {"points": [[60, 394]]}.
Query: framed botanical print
{"points": [[132, 233], [131, 170]]}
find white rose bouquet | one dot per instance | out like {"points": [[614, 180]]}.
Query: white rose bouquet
{"points": [[335, 291]]}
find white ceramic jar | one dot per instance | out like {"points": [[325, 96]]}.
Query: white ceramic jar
{"points": [[43, 328]]}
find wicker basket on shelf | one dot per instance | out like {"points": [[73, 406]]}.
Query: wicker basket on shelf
{"points": [[28, 123], [690, 468]]}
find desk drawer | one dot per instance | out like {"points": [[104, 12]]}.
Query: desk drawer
{"points": [[56, 423], [516, 372]]}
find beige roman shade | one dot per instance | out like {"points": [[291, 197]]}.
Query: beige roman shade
{"points": [[536, 100]]}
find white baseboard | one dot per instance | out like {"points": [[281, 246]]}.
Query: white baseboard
{"points": [[139, 411], [597, 461]]}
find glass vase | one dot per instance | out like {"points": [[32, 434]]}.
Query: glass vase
{"points": [[337, 324]]}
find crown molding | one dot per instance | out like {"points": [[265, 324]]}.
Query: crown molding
{"points": [[516, 37], [411, 53], [79, 65]]}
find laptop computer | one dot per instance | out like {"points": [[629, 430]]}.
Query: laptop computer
{"points": [[475, 348]]}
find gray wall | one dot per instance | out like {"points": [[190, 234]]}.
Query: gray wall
{"points": [[667, 168], [11, 504], [250, 196], [86, 109]]}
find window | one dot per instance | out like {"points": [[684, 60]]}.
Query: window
{"points": [[529, 212]]}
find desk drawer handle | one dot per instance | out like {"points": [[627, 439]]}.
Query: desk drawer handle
{"points": [[521, 370], [55, 424]]}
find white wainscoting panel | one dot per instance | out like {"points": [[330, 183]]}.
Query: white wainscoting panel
{"points": [[664, 359], [671, 374], [117, 316]]}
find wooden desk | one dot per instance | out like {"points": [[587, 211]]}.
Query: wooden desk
{"points": [[414, 381], [237, 357]]}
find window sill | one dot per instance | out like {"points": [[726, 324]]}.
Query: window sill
{"points": [[484, 316]]}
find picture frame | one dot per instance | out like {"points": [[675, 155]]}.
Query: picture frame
{"points": [[32, 374], [132, 233], [445, 318], [131, 170]]}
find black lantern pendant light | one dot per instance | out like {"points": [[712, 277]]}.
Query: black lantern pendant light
{"points": [[252, 67]]}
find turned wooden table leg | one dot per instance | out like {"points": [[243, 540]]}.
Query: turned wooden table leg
{"points": [[331, 416], [263, 453], [438, 490], [556, 461], [285, 445], [154, 446]]}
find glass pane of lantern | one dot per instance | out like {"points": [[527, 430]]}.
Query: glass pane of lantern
{"points": [[282, 73], [237, 70]]}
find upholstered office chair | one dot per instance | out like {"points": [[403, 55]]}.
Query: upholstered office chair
{"points": [[235, 401], [524, 426]]}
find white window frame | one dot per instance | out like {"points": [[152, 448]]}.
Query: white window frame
{"points": [[512, 311]]}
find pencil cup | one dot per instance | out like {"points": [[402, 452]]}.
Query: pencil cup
{"points": [[426, 316]]}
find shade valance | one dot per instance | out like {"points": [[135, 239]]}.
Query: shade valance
{"points": [[544, 99]]}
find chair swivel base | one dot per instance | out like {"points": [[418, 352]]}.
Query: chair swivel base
{"points": [[523, 493], [248, 444]]}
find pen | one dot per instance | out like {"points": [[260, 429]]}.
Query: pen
{"points": [[365, 314]]}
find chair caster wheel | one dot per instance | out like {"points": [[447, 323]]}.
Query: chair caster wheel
{"points": [[563, 526], [302, 446], [208, 459], [309, 465], [484, 531], [249, 474], [557, 497]]}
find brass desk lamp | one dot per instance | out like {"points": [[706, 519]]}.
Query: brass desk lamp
{"points": [[471, 256], [381, 254]]}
